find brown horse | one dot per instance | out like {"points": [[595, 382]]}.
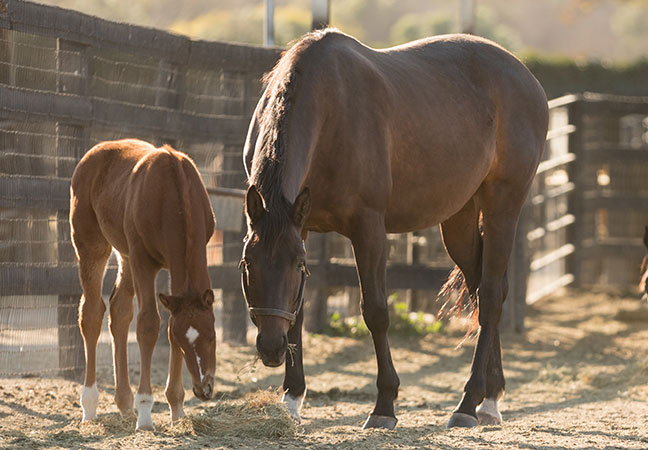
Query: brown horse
{"points": [[151, 206], [363, 142]]}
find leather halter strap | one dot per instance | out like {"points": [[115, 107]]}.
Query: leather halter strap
{"points": [[289, 316]]}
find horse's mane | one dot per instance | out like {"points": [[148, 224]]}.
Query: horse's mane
{"points": [[268, 163]]}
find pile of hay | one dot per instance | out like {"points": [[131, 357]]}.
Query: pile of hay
{"points": [[258, 415]]}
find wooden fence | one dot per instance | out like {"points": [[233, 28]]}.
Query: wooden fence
{"points": [[68, 81], [588, 206]]}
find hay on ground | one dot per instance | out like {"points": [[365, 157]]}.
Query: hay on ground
{"points": [[258, 415]]}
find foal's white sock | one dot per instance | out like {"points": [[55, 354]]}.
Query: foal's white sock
{"points": [[144, 405], [89, 402]]}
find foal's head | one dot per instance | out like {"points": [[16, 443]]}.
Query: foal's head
{"points": [[191, 327], [274, 270], [644, 269]]}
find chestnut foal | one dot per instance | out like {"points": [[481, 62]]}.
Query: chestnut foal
{"points": [[151, 206]]}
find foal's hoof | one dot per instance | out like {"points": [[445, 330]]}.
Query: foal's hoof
{"points": [[376, 421], [144, 426], [462, 420]]}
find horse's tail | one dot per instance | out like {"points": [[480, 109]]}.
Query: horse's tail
{"points": [[459, 299]]}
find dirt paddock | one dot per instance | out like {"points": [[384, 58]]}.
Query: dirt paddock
{"points": [[577, 379]]}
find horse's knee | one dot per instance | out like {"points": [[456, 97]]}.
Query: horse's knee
{"points": [[90, 316], [491, 298], [148, 325], [376, 317]]}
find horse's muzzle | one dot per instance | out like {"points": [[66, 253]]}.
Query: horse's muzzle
{"points": [[272, 349], [205, 390]]}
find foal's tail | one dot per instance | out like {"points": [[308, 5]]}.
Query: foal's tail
{"points": [[459, 299]]}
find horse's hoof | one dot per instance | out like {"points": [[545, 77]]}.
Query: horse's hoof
{"points": [[144, 425], [462, 420], [293, 405], [488, 414], [487, 419], [376, 421]]}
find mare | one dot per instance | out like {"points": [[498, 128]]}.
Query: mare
{"points": [[643, 285], [366, 142], [151, 206]]}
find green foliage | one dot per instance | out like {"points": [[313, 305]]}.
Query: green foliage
{"points": [[416, 26], [402, 322]]}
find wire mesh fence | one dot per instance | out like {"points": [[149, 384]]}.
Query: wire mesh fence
{"points": [[67, 82]]}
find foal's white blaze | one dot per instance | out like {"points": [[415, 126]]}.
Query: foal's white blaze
{"points": [[89, 402], [192, 334], [144, 405], [294, 404]]}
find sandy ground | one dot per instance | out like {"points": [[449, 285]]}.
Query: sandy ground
{"points": [[577, 379]]}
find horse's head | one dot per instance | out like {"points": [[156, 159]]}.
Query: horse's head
{"points": [[191, 327], [274, 270]]}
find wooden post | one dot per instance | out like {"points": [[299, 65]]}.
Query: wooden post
{"points": [[575, 173], [316, 295], [235, 315], [71, 142], [514, 307], [321, 14]]}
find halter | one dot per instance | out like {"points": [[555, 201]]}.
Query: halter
{"points": [[290, 316]]}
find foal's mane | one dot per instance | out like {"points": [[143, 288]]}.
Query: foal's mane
{"points": [[183, 186], [268, 163]]}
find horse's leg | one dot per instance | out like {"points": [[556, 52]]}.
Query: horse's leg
{"points": [[501, 203], [93, 252], [463, 242], [370, 250], [294, 385], [121, 315], [144, 270], [174, 388], [488, 412]]}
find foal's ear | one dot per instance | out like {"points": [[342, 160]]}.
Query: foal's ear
{"points": [[170, 302], [208, 299], [301, 208], [254, 204], [646, 237]]}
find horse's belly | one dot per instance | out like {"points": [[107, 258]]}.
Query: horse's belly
{"points": [[428, 194], [420, 210]]}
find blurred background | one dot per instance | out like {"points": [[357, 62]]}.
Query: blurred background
{"points": [[611, 31], [571, 45]]}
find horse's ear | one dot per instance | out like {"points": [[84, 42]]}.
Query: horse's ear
{"points": [[208, 299], [646, 237], [301, 208], [170, 302], [254, 204]]}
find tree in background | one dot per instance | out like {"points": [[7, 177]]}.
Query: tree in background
{"points": [[611, 30]]}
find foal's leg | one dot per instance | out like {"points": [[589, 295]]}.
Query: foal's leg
{"points": [[174, 388], [144, 270], [370, 250], [294, 384], [93, 252], [121, 315], [501, 204]]}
